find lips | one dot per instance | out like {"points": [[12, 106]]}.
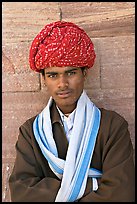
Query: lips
{"points": [[64, 94]]}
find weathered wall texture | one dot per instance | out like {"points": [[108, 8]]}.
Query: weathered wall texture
{"points": [[110, 83]]}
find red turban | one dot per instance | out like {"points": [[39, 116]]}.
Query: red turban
{"points": [[61, 44]]}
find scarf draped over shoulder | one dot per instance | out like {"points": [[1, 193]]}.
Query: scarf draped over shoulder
{"points": [[75, 170]]}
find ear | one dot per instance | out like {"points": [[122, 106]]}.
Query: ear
{"points": [[85, 72]]}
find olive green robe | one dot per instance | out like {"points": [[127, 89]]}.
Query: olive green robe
{"points": [[32, 180]]}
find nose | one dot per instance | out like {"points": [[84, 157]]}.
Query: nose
{"points": [[63, 82]]}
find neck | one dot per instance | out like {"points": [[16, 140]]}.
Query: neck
{"points": [[67, 110]]}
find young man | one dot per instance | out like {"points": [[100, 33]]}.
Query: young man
{"points": [[72, 151]]}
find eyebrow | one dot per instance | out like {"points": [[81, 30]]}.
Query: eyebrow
{"points": [[67, 71]]}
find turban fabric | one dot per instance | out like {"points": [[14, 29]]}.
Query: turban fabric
{"points": [[61, 44]]}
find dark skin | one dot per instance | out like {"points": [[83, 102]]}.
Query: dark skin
{"points": [[65, 85]]}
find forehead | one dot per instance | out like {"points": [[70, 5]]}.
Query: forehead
{"points": [[60, 69]]}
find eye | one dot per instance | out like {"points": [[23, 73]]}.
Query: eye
{"points": [[71, 73], [52, 75]]}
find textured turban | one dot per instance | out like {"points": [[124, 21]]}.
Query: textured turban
{"points": [[61, 44]]}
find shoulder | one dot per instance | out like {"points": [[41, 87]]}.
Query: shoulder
{"points": [[113, 129], [27, 126], [112, 122], [25, 134], [111, 116], [29, 121]]}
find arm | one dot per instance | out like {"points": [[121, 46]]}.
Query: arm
{"points": [[117, 182], [31, 180]]}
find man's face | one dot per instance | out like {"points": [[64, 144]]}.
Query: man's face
{"points": [[65, 85]]}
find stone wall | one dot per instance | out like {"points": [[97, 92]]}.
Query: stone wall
{"points": [[111, 83]]}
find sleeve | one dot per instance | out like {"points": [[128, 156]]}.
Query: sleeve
{"points": [[117, 181], [27, 182]]}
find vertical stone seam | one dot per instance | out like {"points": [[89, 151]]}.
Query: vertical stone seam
{"points": [[60, 12]]}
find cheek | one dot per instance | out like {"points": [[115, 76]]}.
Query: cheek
{"points": [[50, 85], [51, 90], [79, 84]]}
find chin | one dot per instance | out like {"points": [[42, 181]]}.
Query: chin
{"points": [[66, 102]]}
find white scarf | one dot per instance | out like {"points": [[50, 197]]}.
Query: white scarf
{"points": [[75, 170]]}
